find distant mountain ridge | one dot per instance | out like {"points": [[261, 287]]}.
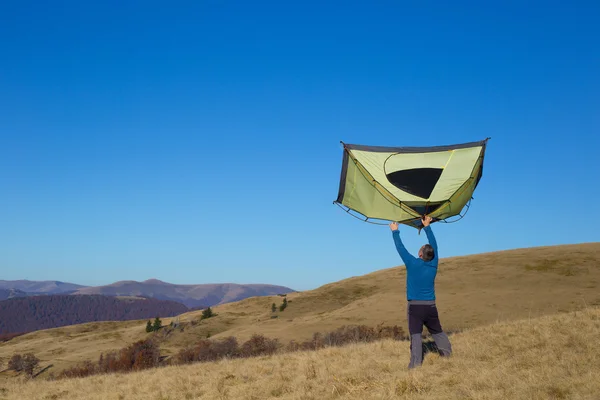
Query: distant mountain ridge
{"points": [[192, 295], [40, 287], [201, 295]]}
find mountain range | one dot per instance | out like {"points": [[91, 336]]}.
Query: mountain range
{"points": [[192, 296], [40, 287]]}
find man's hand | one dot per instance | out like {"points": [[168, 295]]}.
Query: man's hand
{"points": [[426, 220], [394, 226]]}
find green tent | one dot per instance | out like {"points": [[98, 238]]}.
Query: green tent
{"points": [[404, 183]]}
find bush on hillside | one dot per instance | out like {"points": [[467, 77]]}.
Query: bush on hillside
{"points": [[346, 335], [213, 350], [84, 369], [258, 345], [30, 363], [391, 332], [209, 350], [16, 363], [140, 355], [146, 353], [26, 364]]}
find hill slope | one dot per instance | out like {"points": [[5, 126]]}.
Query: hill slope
{"points": [[27, 314], [205, 295], [11, 293], [552, 357], [471, 291]]}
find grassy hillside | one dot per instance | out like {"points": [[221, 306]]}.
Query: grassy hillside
{"points": [[472, 291], [552, 357]]}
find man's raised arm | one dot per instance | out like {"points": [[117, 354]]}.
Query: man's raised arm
{"points": [[430, 236], [404, 254]]}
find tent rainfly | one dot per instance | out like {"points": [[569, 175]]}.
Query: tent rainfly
{"points": [[402, 184]]}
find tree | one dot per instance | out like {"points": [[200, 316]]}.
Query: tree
{"points": [[273, 307], [149, 327], [157, 324], [283, 305], [207, 313]]}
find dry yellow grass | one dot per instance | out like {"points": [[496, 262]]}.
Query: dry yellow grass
{"points": [[551, 357], [471, 290]]}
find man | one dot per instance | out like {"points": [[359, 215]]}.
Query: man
{"points": [[420, 292]]}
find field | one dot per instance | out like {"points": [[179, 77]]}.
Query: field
{"points": [[552, 357], [472, 292]]}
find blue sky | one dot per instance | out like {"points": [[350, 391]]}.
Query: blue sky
{"points": [[198, 142]]}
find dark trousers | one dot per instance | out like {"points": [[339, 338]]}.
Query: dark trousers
{"points": [[425, 313]]}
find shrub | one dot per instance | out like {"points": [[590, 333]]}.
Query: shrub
{"points": [[107, 362], [209, 350], [390, 332], [227, 348], [212, 350], [348, 334], [146, 353], [84, 369], [140, 355], [30, 363], [259, 345], [185, 356], [204, 351], [27, 363], [16, 363]]}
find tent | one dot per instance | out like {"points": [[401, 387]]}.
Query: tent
{"points": [[404, 183]]}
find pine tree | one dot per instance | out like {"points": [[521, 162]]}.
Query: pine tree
{"points": [[273, 307], [284, 305], [149, 327], [157, 324], [207, 313]]}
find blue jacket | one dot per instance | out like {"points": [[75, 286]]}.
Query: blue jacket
{"points": [[420, 275]]}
